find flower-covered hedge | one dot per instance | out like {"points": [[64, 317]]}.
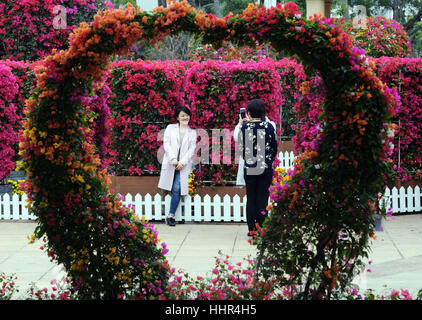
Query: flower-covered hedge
{"points": [[216, 91], [30, 29], [24, 80], [143, 100], [145, 93], [403, 76], [134, 147], [134, 144], [381, 37], [8, 119]]}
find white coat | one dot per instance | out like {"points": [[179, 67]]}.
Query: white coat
{"points": [[171, 146]]}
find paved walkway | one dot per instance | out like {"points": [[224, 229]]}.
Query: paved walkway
{"points": [[396, 257]]}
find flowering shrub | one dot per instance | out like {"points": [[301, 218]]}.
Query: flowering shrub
{"points": [[217, 106], [8, 119], [381, 37], [353, 294], [7, 286], [17, 186], [60, 290], [280, 175], [27, 30], [237, 281], [193, 184], [226, 281], [97, 114], [291, 73]]}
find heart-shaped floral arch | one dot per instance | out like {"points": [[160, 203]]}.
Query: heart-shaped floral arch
{"points": [[320, 217]]}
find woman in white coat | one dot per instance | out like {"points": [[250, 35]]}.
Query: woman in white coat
{"points": [[179, 147]]}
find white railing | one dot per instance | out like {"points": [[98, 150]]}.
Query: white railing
{"points": [[208, 209]]}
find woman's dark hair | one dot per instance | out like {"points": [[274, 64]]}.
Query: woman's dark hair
{"points": [[256, 108], [179, 109]]}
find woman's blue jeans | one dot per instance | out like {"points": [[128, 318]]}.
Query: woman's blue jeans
{"points": [[175, 193]]}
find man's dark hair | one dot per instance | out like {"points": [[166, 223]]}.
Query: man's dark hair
{"points": [[180, 109], [256, 108]]}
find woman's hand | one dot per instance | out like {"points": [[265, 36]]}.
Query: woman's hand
{"points": [[179, 166], [174, 162]]}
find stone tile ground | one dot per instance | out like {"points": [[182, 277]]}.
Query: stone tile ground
{"points": [[395, 260]]}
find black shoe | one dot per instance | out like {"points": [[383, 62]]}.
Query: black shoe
{"points": [[171, 222]]}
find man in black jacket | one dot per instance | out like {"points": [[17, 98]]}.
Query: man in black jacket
{"points": [[258, 146]]}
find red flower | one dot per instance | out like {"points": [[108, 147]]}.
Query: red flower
{"points": [[291, 7]]}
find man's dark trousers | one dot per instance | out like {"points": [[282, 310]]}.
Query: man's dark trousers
{"points": [[257, 194]]}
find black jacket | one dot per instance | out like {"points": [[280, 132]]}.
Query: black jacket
{"points": [[258, 144]]}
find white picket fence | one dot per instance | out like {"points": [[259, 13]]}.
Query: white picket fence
{"points": [[198, 209], [216, 209], [15, 208], [286, 159], [404, 200]]}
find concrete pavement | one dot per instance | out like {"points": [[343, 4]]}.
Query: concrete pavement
{"points": [[395, 260]]}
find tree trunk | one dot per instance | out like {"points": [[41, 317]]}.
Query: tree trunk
{"points": [[346, 7], [409, 26], [398, 11]]}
